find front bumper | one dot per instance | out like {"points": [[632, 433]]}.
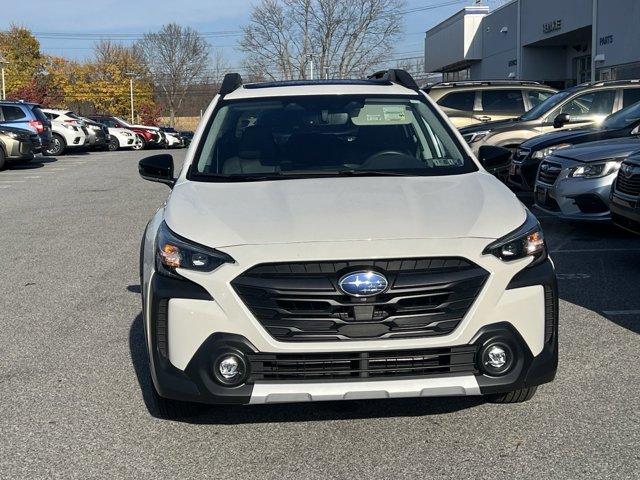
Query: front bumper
{"points": [[187, 329], [625, 212], [575, 198], [20, 149]]}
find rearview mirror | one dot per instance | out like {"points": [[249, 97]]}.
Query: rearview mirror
{"points": [[157, 168], [493, 158], [561, 120]]}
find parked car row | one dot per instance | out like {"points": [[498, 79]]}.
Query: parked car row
{"points": [[28, 129], [569, 149]]}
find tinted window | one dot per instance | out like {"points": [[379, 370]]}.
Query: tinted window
{"points": [[589, 105], [39, 114], [626, 117], [536, 97], [459, 101], [326, 136], [502, 101], [630, 96], [12, 113], [548, 104]]}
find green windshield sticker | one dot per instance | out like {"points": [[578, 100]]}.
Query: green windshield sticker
{"points": [[394, 113]]}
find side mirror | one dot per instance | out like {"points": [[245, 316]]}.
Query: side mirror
{"points": [[561, 120], [157, 168], [493, 158]]}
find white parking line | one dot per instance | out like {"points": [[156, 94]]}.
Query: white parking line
{"points": [[621, 312], [6, 186], [11, 181]]}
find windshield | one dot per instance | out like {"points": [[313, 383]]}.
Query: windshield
{"points": [[262, 139], [542, 108], [121, 122], [623, 118]]}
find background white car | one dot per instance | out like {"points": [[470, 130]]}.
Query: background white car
{"points": [[119, 137], [68, 132]]}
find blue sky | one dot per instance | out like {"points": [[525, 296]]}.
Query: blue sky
{"points": [[126, 19]]}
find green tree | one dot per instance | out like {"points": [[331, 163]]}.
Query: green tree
{"points": [[22, 50]]}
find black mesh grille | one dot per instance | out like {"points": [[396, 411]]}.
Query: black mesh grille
{"points": [[350, 365], [161, 327], [302, 301], [550, 313], [628, 185], [549, 172]]}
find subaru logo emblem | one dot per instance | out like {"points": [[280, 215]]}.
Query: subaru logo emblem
{"points": [[627, 169], [544, 167], [363, 284]]}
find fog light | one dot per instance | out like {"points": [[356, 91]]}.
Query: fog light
{"points": [[230, 369], [496, 359]]}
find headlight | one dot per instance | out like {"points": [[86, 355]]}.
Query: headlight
{"points": [[127, 134], [526, 241], [173, 252], [596, 170], [475, 136], [545, 152]]}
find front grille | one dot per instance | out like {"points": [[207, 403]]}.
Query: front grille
{"points": [[549, 172], [520, 155], [628, 185], [590, 203], [354, 365], [302, 301]]}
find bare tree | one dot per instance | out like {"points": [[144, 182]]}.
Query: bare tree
{"points": [[342, 37], [176, 56]]}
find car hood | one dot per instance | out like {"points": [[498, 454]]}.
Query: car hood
{"points": [[343, 209], [603, 149], [562, 136], [481, 127], [146, 126]]}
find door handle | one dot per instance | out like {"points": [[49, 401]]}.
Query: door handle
{"points": [[484, 118]]}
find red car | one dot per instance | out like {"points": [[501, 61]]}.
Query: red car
{"points": [[148, 136]]}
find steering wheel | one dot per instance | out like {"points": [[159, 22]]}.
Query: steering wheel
{"points": [[391, 159]]}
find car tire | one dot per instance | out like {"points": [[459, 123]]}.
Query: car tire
{"points": [[2, 159], [516, 396], [140, 143], [57, 146], [113, 144]]}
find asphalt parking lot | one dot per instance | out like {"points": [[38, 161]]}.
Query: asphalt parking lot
{"points": [[74, 388]]}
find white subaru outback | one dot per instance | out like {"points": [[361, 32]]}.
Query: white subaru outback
{"points": [[336, 240]]}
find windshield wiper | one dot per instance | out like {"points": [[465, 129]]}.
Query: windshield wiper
{"points": [[221, 177]]}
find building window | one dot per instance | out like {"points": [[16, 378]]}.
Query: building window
{"points": [[457, 76]]}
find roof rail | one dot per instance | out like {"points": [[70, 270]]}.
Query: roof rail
{"points": [[231, 82], [396, 75], [602, 83], [465, 83]]}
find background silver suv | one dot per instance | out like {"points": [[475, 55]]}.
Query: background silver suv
{"points": [[578, 106], [472, 102]]}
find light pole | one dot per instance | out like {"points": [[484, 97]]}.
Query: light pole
{"points": [[131, 76], [310, 57], [3, 62]]}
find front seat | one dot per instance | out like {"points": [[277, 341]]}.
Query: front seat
{"points": [[256, 153]]}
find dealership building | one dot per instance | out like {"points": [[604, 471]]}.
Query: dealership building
{"points": [[559, 42]]}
